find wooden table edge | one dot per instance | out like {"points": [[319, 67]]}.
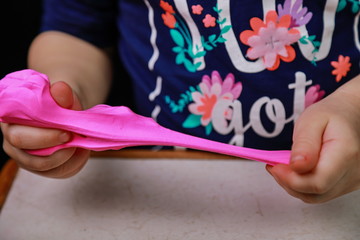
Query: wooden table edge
{"points": [[161, 154], [9, 171], [7, 177]]}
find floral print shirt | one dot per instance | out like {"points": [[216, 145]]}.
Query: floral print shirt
{"points": [[235, 71]]}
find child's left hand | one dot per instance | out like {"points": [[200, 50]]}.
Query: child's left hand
{"points": [[325, 158]]}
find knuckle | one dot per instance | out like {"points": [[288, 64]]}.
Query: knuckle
{"points": [[36, 164], [7, 148], [56, 161], [310, 199], [77, 164], [314, 199], [40, 164], [15, 138], [319, 188], [27, 161], [303, 141], [65, 171]]}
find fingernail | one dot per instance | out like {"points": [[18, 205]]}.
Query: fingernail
{"points": [[64, 137], [297, 158], [268, 168]]}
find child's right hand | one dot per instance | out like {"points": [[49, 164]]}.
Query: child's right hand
{"points": [[63, 163]]}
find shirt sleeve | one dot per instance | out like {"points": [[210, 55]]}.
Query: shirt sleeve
{"points": [[91, 20]]}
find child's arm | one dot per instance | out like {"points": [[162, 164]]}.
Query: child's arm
{"points": [[325, 161], [80, 74], [63, 57]]}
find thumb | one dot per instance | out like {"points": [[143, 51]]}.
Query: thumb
{"points": [[307, 141], [64, 96]]}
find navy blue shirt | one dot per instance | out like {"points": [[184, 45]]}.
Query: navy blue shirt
{"points": [[239, 72]]}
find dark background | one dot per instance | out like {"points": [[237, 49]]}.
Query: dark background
{"points": [[19, 24]]}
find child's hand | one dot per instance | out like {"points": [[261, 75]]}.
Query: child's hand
{"points": [[63, 163], [325, 161]]}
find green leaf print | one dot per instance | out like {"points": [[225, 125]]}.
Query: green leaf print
{"points": [[200, 54], [180, 58], [208, 128], [311, 39], [355, 7], [221, 22], [208, 47], [303, 40], [189, 65], [192, 121], [177, 37], [185, 99], [177, 49], [341, 5], [225, 29], [186, 52], [212, 38], [221, 40]]}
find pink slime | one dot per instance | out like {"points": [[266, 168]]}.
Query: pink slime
{"points": [[25, 99]]}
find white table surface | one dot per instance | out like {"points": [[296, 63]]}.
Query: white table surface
{"points": [[170, 199]]}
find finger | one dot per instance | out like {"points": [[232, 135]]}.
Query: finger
{"points": [[70, 167], [64, 96], [36, 163], [291, 192], [307, 140], [305, 197], [324, 179], [26, 137]]}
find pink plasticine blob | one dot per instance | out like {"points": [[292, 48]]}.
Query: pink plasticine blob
{"points": [[25, 99]]}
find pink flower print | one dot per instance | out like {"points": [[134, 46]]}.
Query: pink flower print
{"points": [[313, 95], [271, 40], [205, 101], [299, 16], [212, 90], [227, 86], [342, 67], [209, 21], [197, 9]]}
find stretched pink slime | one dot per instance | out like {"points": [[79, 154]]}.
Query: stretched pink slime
{"points": [[25, 99]]}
